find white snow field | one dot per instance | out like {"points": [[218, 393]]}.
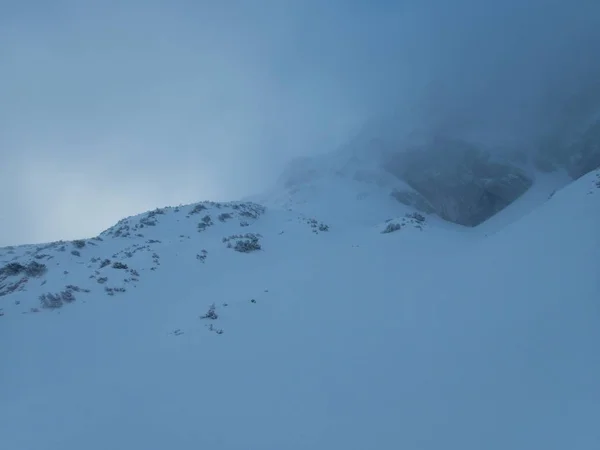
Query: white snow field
{"points": [[332, 335]]}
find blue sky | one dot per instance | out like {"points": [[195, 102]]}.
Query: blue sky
{"points": [[112, 108]]}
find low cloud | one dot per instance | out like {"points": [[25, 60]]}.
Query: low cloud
{"points": [[111, 111]]}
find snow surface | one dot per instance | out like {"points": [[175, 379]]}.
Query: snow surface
{"points": [[334, 334]]}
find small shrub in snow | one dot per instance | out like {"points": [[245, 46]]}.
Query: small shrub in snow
{"points": [[79, 243], [112, 291], [211, 313], [391, 227], [250, 214], [317, 226], [202, 255], [74, 288], [205, 223], [50, 301], [35, 269], [105, 263], [197, 209], [9, 288], [102, 280], [245, 243], [119, 265], [419, 218], [54, 301], [75, 253], [156, 212], [247, 246], [148, 221], [12, 269], [216, 330], [224, 216]]}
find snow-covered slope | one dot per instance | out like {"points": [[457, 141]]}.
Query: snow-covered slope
{"points": [[544, 187], [316, 321]]}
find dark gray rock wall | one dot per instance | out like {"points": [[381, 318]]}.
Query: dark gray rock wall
{"points": [[460, 182]]}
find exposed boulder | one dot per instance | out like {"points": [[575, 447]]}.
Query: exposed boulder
{"points": [[459, 182]]}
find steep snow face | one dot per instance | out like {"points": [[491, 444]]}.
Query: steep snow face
{"points": [[239, 326], [345, 188]]}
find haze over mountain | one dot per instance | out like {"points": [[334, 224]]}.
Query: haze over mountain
{"points": [[123, 108], [409, 258]]}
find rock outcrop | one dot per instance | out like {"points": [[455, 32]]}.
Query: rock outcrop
{"points": [[457, 180]]}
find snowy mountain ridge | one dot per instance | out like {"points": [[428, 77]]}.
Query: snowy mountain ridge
{"points": [[323, 314]]}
